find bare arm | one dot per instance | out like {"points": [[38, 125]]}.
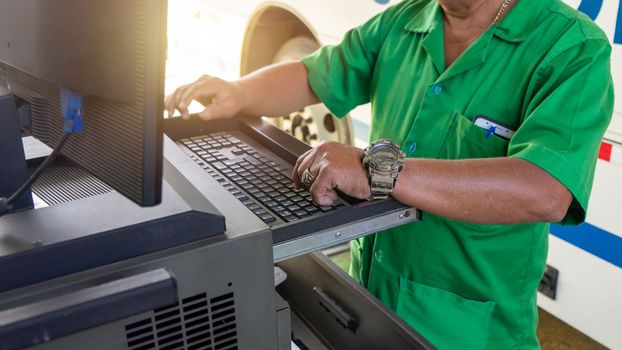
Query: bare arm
{"points": [[277, 90], [271, 91], [488, 191]]}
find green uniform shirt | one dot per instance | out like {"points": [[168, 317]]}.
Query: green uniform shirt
{"points": [[544, 72]]}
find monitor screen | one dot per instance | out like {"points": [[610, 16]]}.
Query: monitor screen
{"points": [[113, 53]]}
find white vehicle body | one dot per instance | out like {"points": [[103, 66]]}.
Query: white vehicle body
{"points": [[234, 37]]}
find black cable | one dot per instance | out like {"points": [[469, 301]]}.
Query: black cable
{"points": [[6, 203]]}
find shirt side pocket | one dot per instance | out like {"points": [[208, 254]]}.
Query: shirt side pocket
{"points": [[447, 320]]}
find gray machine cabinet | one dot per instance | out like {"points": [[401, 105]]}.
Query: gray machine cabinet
{"points": [[223, 303]]}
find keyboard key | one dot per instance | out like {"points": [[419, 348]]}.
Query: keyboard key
{"points": [[270, 203], [259, 211], [293, 208], [252, 160], [219, 166], [253, 206], [284, 213], [267, 218], [301, 213], [312, 210], [261, 196]]}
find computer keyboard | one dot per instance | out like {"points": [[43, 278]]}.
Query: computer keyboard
{"points": [[258, 181]]}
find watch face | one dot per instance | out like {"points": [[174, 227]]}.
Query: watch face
{"points": [[384, 158]]}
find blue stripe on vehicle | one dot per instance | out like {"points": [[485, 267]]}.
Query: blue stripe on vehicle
{"points": [[617, 38], [591, 8], [593, 240]]}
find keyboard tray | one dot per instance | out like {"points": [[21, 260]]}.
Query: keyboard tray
{"points": [[290, 239]]}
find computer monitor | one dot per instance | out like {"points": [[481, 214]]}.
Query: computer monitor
{"points": [[113, 53]]}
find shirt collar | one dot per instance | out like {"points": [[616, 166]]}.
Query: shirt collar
{"points": [[518, 23], [429, 16], [515, 27]]}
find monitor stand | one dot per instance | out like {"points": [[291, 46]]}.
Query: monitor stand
{"points": [[13, 167]]}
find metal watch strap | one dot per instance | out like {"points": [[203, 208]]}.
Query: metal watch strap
{"points": [[381, 184]]}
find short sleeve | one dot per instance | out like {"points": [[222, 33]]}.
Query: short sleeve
{"points": [[341, 75], [567, 114]]}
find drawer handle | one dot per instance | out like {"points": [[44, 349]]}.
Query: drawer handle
{"points": [[330, 305]]}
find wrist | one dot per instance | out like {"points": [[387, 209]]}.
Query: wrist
{"points": [[403, 182], [244, 97]]}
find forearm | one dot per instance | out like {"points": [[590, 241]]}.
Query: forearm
{"points": [[487, 191], [276, 90]]}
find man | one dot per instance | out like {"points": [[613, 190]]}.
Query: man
{"points": [[500, 106]]}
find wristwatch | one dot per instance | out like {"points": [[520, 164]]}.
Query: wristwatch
{"points": [[383, 160]]}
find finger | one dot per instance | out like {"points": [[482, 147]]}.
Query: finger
{"points": [[331, 194], [179, 104], [322, 190], [171, 101], [295, 172]]}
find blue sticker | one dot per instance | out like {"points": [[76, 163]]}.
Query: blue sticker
{"points": [[72, 108]]}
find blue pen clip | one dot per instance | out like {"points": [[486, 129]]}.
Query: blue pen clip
{"points": [[72, 108], [491, 131]]}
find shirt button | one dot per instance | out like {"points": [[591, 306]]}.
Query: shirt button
{"points": [[437, 89], [378, 255], [411, 147]]}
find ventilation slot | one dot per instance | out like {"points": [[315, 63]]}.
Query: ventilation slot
{"points": [[198, 323], [64, 184]]}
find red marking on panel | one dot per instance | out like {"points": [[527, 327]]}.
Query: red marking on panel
{"points": [[605, 151]]}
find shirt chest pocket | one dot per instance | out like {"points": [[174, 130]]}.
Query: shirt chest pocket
{"points": [[465, 140]]}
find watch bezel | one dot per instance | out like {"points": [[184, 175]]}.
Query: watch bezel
{"points": [[374, 163]]}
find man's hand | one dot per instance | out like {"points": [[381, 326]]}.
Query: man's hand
{"points": [[335, 166], [272, 91], [221, 99]]}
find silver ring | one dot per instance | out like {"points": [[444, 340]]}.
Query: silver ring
{"points": [[307, 179]]}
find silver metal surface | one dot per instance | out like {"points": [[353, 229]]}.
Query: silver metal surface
{"points": [[343, 233]]}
